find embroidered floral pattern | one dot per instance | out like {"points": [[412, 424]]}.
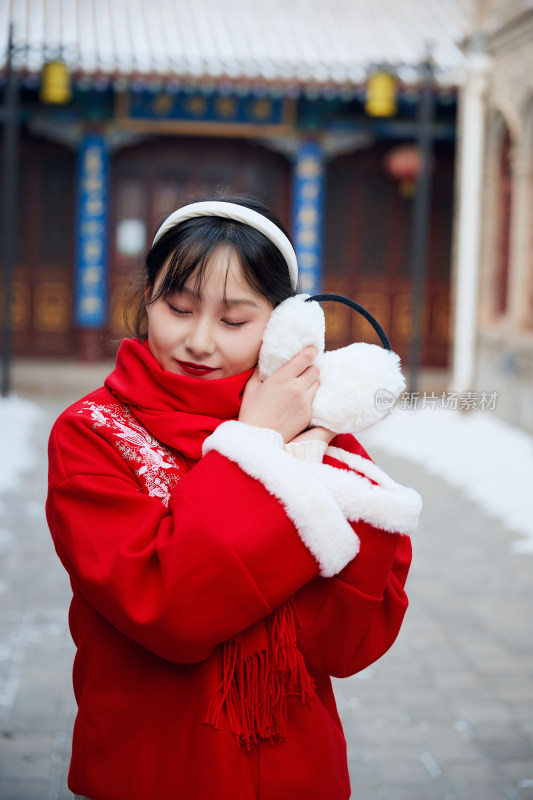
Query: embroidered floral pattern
{"points": [[154, 465]]}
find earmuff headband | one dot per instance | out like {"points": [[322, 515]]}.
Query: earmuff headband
{"points": [[360, 309], [219, 208]]}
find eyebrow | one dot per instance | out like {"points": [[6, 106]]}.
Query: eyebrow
{"points": [[227, 302], [240, 301]]}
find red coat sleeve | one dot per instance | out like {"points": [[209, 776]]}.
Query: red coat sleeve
{"points": [[226, 551], [351, 619]]}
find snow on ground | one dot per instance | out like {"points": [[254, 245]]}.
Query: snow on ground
{"points": [[488, 459], [17, 420]]}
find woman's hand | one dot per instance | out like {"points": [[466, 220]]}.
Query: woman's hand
{"points": [[283, 400]]}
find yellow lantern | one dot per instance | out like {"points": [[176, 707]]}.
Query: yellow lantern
{"points": [[381, 95], [55, 83]]}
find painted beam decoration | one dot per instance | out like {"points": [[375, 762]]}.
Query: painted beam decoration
{"points": [[308, 212], [180, 110], [205, 107], [91, 267]]}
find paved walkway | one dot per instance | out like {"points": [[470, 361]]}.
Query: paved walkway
{"points": [[447, 713]]}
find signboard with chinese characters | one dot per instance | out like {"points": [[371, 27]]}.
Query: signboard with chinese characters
{"points": [[231, 114], [308, 214], [91, 278]]}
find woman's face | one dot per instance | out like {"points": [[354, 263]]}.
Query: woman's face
{"points": [[216, 335]]}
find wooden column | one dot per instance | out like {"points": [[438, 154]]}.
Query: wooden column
{"points": [[308, 213]]}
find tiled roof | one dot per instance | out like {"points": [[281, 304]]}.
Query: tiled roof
{"points": [[273, 42]]}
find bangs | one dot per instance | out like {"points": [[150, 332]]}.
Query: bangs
{"points": [[189, 258], [193, 253]]}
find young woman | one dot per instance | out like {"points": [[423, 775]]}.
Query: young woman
{"points": [[217, 582]]}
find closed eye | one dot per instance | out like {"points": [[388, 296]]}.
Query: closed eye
{"points": [[178, 310], [233, 324]]}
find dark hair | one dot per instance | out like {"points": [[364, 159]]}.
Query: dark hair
{"points": [[188, 246]]}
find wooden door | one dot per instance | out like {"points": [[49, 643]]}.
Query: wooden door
{"points": [[504, 226], [368, 232], [44, 253]]}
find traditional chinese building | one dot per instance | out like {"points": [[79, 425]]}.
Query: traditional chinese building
{"points": [[172, 100]]}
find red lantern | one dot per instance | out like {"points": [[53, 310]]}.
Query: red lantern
{"points": [[404, 163]]}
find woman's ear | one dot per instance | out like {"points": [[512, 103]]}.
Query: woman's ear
{"points": [[293, 325]]}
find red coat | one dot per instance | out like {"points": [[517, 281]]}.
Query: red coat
{"points": [[199, 584]]}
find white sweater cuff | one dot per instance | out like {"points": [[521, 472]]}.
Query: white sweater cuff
{"points": [[307, 450], [269, 433]]}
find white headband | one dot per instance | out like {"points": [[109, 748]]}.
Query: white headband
{"points": [[219, 208]]}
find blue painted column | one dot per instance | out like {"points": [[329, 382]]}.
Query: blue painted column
{"points": [[308, 214], [90, 304]]}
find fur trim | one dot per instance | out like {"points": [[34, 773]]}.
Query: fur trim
{"points": [[389, 505], [316, 515], [359, 385], [293, 325]]}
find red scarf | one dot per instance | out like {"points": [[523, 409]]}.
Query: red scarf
{"points": [[180, 411], [262, 664]]}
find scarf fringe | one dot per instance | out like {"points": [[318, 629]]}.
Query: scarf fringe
{"points": [[254, 689]]}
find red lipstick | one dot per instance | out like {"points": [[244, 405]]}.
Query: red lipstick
{"points": [[198, 370]]}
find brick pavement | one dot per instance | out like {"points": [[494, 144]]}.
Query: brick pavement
{"points": [[447, 713]]}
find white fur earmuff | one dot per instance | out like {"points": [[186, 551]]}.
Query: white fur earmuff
{"points": [[359, 384], [293, 325]]}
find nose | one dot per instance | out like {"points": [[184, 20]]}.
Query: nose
{"points": [[200, 341]]}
